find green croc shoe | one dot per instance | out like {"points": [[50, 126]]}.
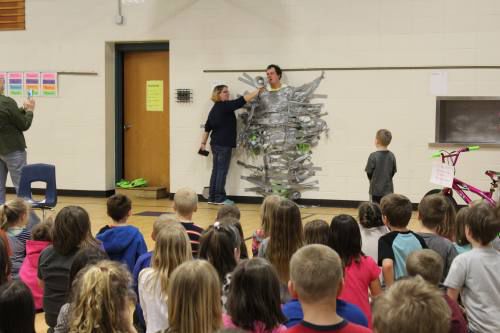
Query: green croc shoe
{"points": [[139, 182], [123, 184]]}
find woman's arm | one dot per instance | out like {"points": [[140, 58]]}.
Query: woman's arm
{"points": [[252, 95], [204, 139]]}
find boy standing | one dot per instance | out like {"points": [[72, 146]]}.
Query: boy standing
{"points": [[122, 242], [185, 204], [395, 246], [316, 280], [381, 167], [432, 212], [474, 274]]}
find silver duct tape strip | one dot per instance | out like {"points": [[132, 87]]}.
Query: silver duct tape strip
{"points": [[282, 126]]}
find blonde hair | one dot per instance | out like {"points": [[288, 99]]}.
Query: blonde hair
{"points": [[427, 263], [185, 201], [285, 237], [12, 211], [216, 93], [172, 248], [163, 221], [194, 304], [100, 299], [316, 272], [411, 305], [267, 211]]}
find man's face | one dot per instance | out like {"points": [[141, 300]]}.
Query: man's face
{"points": [[272, 76]]}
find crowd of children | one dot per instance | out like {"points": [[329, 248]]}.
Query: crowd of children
{"points": [[350, 275]]}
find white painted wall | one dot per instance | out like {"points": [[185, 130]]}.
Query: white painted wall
{"points": [[76, 130]]}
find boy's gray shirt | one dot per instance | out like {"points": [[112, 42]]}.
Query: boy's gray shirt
{"points": [[443, 247], [475, 273], [380, 169]]}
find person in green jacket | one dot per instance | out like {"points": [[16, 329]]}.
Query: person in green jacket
{"points": [[13, 121]]}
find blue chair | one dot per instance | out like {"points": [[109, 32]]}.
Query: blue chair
{"points": [[39, 173]]}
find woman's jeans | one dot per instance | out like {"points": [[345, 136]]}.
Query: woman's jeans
{"points": [[11, 163], [222, 159]]}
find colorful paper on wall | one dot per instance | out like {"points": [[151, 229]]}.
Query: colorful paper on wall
{"points": [[154, 95], [32, 82], [49, 84], [15, 83], [3, 77]]}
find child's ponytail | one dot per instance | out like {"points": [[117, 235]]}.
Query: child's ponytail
{"points": [[11, 212]]}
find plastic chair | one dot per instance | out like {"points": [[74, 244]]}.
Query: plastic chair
{"points": [[39, 173]]}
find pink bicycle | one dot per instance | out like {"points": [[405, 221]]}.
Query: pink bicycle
{"points": [[462, 187]]}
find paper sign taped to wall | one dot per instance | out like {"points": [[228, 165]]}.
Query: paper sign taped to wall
{"points": [[154, 95], [442, 174], [3, 77], [439, 83], [32, 82], [15, 83], [49, 84]]}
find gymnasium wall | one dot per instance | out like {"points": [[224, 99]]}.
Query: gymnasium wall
{"points": [[75, 131]]}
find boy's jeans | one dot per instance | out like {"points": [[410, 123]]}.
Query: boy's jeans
{"points": [[222, 159], [12, 162]]}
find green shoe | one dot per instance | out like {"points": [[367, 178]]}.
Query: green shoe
{"points": [[123, 184], [139, 182]]}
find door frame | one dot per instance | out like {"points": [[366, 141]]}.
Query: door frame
{"points": [[120, 50]]}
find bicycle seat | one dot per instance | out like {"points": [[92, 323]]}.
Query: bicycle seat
{"points": [[494, 175]]}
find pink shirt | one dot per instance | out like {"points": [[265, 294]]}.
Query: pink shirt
{"points": [[258, 326], [29, 269], [358, 277]]}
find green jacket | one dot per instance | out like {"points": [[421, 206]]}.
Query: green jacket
{"points": [[13, 121]]}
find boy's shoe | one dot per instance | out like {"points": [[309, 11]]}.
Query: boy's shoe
{"points": [[227, 202]]}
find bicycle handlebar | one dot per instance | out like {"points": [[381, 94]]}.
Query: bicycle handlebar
{"points": [[461, 150]]}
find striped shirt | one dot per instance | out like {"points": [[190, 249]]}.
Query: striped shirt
{"points": [[194, 233], [17, 242]]}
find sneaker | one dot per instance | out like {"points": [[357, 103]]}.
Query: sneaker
{"points": [[227, 202], [213, 203]]}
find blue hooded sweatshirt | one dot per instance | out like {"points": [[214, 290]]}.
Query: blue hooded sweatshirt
{"points": [[123, 243]]}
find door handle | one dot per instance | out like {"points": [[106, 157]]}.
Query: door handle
{"points": [[126, 126]]}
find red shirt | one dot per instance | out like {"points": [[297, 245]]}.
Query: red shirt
{"points": [[457, 321], [342, 327], [358, 276]]}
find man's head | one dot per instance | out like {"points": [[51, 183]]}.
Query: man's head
{"points": [[396, 210], [315, 274], [411, 305], [185, 202], [273, 73], [427, 263]]}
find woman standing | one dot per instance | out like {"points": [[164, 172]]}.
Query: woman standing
{"points": [[221, 123]]}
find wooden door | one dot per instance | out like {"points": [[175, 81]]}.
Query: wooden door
{"points": [[146, 132]]}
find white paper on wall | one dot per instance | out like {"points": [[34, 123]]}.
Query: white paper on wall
{"points": [[439, 83]]}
